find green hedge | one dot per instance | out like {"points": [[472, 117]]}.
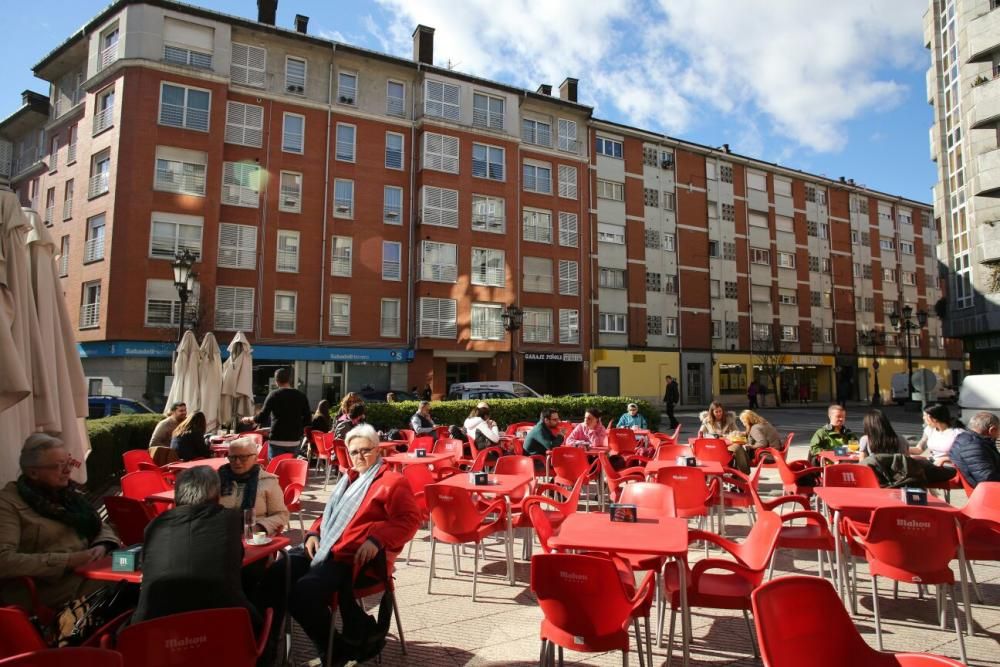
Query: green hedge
{"points": [[109, 439], [386, 416]]}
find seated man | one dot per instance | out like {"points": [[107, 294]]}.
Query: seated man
{"points": [[247, 486], [632, 418], [165, 427], [833, 435], [545, 435], [975, 452], [421, 422]]}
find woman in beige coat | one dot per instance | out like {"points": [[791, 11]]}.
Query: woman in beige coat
{"points": [[242, 478], [47, 527]]}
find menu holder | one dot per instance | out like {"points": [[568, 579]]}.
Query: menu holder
{"points": [[622, 512], [840, 451], [126, 560], [420, 453], [687, 461], [914, 496], [479, 478]]}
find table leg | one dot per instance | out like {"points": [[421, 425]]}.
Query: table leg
{"points": [[722, 508], [837, 549], [286, 626], [510, 541], [685, 612]]}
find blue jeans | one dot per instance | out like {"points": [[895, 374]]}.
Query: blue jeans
{"points": [[276, 447]]}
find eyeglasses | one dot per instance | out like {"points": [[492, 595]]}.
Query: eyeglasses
{"points": [[361, 452], [241, 457], [65, 465]]}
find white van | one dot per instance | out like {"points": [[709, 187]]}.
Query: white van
{"points": [[487, 390], [979, 393], [941, 393]]}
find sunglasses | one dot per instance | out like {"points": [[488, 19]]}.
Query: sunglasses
{"points": [[241, 457], [361, 452], [65, 466]]}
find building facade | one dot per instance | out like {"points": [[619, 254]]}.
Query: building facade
{"points": [[368, 219]]}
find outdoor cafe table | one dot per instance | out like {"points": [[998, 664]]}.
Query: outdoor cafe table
{"points": [[399, 461], [500, 485], [832, 457], [855, 500], [661, 536], [214, 463]]}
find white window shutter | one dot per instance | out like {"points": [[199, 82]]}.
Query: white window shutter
{"points": [[449, 148], [447, 313], [567, 181], [569, 278], [568, 235]]}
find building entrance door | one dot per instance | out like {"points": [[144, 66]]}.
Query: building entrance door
{"points": [[608, 381], [694, 384]]}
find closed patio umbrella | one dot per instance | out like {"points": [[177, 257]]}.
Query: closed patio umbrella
{"points": [[210, 380], [185, 386], [237, 381]]}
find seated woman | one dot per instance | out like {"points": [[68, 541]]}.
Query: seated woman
{"points": [[590, 432], [940, 431], [895, 469], [631, 418], [481, 428], [717, 422], [321, 420], [371, 512], [47, 527], [247, 486], [760, 433], [189, 438]]}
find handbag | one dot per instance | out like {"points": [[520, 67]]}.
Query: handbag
{"points": [[78, 619]]}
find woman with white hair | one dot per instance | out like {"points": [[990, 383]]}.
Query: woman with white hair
{"points": [[245, 485]]}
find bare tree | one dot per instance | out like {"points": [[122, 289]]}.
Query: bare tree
{"points": [[770, 353]]}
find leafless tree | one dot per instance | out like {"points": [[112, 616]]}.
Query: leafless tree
{"points": [[770, 354]]}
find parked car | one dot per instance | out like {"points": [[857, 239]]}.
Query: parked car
{"points": [[486, 390], [107, 406], [378, 396]]}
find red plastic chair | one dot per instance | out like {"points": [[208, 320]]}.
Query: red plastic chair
{"points": [[291, 471], [731, 590], [622, 441], [408, 434], [823, 625], [292, 497], [813, 534], [693, 492], [979, 521], [324, 452], [792, 474], [130, 517], [910, 544], [617, 480], [133, 457], [566, 464], [419, 477], [593, 614], [670, 452], [454, 447], [142, 484], [519, 426], [422, 442], [712, 449], [741, 498], [344, 462], [75, 656], [517, 465], [850, 475], [17, 634], [553, 518], [650, 499], [207, 637], [361, 593], [272, 465], [762, 459]]}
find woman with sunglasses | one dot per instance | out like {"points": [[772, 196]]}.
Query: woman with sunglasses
{"points": [[247, 486]]}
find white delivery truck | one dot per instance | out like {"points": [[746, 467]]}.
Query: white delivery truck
{"points": [[979, 393]]}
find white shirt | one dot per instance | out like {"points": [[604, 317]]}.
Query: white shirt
{"points": [[939, 442], [473, 424]]}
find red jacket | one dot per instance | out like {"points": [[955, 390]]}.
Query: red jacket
{"points": [[388, 515]]}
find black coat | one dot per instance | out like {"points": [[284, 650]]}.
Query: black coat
{"points": [[192, 560], [191, 446], [976, 457], [672, 394]]}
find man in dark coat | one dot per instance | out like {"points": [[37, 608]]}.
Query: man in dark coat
{"points": [[671, 397], [975, 452]]}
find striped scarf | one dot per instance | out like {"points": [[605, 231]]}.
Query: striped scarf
{"points": [[340, 509]]}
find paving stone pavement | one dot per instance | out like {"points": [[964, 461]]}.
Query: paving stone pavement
{"points": [[501, 628]]}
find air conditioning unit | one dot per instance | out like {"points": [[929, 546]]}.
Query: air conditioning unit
{"points": [[344, 99], [293, 88]]}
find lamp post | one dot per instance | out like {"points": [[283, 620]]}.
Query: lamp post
{"points": [[184, 281], [874, 338], [513, 317], [904, 324]]}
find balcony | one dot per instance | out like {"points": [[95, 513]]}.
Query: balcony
{"points": [[984, 105], [50, 214], [104, 119], [439, 273], [986, 182], [68, 209], [93, 250], [181, 181], [107, 56], [98, 184], [71, 153], [983, 37], [90, 315], [488, 276], [932, 83], [929, 25], [933, 141]]}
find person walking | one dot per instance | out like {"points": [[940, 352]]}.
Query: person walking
{"points": [[752, 395], [289, 412], [671, 397]]}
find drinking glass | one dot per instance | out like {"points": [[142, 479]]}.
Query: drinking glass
{"points": [[249, 521]]}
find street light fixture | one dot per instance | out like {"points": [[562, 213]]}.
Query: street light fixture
{"points": [[905, 325], [184, 283], [513, 317], [874, 338]]}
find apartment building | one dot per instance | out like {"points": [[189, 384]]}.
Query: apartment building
{"points": [[368, 219], [964, 39]]}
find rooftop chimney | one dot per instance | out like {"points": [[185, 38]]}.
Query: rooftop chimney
{"points": [[544, 89], [843, 180], [423, 45], [725, 148], [301, 23], [567, 89], [267, 10]]}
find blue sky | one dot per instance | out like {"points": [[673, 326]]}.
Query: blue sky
{"points": [[831, 88]]}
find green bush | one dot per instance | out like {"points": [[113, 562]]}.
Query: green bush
{"points": [[387, 416], [109, 439]]}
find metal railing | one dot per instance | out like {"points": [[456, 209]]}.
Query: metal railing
{"points": [[90, 315], [93, 249], [288, 261], [291, 198], [391, 269], [537, 333], [484, 275], [108, 56], [445, 273], [536, 283], [488, 331], [284, 322], [395, 106], [184, 183], [489, 223], [104, 119], [392, 214], [341, 266], [71, 153], [98, 184], [389, 326], [50, 213], [489, 119]]}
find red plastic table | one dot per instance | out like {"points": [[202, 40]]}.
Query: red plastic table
{"points": [[401, 460], [161, 497], [832, 457], [214, 463]]}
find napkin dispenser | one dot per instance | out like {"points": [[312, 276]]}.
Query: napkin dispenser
{"points": [[623, 512], [687, 461], [479, 478], [127, 560], [420, 453], [914, 496]]}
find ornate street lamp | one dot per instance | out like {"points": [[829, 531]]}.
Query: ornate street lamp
{"points": [[874, 338], [904, 324], [184, 282], [513, 317]]}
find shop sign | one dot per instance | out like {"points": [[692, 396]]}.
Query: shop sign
{"points": [[553, 356]]}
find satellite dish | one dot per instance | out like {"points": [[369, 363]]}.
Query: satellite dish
{"points": [[924, 380]]}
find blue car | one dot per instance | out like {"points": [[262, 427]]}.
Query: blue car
{"points": [[106, 406]]}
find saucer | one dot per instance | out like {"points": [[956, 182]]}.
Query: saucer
{"points": [[254, 543]]}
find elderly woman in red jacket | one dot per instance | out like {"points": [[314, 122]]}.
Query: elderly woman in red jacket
{"points": [[371, 510]]}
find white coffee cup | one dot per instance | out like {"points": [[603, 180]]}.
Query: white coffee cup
{"points": [[259, 537]]}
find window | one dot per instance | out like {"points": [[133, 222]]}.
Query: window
{"points": [[93, 249], [611, 278], [905, 218], [824, 265], [670, 283], [569, 277], [652, 239], [438, 262], [104, 110], [537, 275], [669, 242], [786, 260], [760, 256], [441, 152], [610, 190], [240, 183], [290, 195], [288, 251], [347, 88], [609, 147], [890, 306], [909, 278], [788, 297], [487, 162], [823, 230], [163, 306], [611, 323], [670, 201], [185, 107], [340, 315], [488, 267], [732, 330], [341, 256], [537, 326], [389, 319], [50, 206], [758, 220], [567, 136], [714, 288], [90, 305], [789, 333], [284, 311], [109, 47], [651, 197], [487, 111], [713, 248], [234, 308], [608, 233], [567, 181], [569, 326], [568, 234], [248, 65], [293, 133], [172, 233], [536, 132], [756, 181], [346, 142], [717, 324], [392, 205], [441, 100], [178, 55], [906, 247], [437, 318], [887, 244], [395, 100], [654, 281], [537, 226], [782, 187], [654, 325], [440, 207], [488, 214], [537, 178], [244, 124], [237, 246], [393, 150], [487, 321], [100, 174], [180, 171], [343, 198], [730, 289], [53, 158], [761, 332], [71, 148], [670, 326], [392, 260], [295, 76], [760, 293], [67, 211]]}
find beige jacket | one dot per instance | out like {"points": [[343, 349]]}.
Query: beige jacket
{"points": [[270, 507], [34, 546], [163, 432]]}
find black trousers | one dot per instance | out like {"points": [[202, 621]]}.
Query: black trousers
{"points": [[670, 415]]}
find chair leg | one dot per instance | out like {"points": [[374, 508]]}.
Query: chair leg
{"points": [[409, 550], [399, 624], [302, 526], [475, 575], [770, 566], [878, 618], [975, 584], [958, 625], [430, 571], [649, 643], [541, 653], [326, 480], [753, 639], [895, 590], [560, 656], [670, 641], [638, 642]]}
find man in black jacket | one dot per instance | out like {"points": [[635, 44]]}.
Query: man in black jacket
{"points": [[671, 397], [289, 412], [975, 452]]}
